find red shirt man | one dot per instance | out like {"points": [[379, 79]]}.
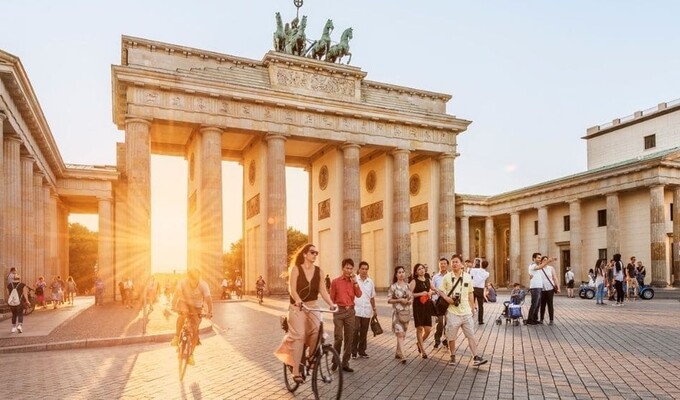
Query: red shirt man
{"points": [[343, 290]]}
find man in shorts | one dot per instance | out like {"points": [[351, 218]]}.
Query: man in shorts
{"points": [[459, 313], [191, 294], [569, 278]]}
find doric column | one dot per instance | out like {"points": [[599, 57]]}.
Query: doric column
{"points": [[210, 206], [543, 230], [62, 239], [27, 217], [515, 242], [53, 236], [138, 165], [46, 229], [402, 210], [464, 237], [4, 269], [105, 245], [11, 245], [612, 224], [351, 203], [447, 206], [39, 230], [657, 228], [489, 234], [575, 240], [676, 236], [277, 240]]}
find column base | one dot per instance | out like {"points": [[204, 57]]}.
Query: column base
{"points": [[659, 284], [676, 283]]}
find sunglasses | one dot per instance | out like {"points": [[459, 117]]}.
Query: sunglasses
{"points": [[314, 253]]}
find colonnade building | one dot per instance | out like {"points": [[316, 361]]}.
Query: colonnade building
{"points": [[380, 159]]}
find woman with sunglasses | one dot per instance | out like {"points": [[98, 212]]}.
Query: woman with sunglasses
{"points": [[304, 286]]}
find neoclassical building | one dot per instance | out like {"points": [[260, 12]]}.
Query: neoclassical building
{"points": [[380, 159]]}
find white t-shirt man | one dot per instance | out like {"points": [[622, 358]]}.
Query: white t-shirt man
{"points": [[479, 277], [362, 305], [569, 276], [536, 277]]}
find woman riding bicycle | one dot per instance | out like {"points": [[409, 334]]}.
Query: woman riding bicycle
{"points": [[304, 286], [191, 294], [259, 285]]}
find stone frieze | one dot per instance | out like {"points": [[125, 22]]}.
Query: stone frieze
{"points": [[372, 212], [253, 206]]}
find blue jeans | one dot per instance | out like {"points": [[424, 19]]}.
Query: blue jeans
{"points": [[599, 296]]}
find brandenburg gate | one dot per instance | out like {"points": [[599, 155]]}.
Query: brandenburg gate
{"points": [[380, 158]]}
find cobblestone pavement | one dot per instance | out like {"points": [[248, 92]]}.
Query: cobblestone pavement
{"points": [[591, 352]]}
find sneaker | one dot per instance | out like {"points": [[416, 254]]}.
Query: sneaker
{"points": [[452, 361], [14, 329], [364, 355], [20, 329], [551, 323], [479, 361], [175, 341], [445, 343], [190, 360], [436, 346], [354, 356], [481, 323]]}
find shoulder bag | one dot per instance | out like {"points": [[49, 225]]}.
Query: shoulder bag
{"points": [[442, 305]]}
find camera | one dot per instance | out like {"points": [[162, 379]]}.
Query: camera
{"points": [[477, 263], [456, 299]]}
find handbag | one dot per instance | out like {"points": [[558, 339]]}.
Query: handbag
{"points": [[442, 305], [404, 316], [375, 326]]}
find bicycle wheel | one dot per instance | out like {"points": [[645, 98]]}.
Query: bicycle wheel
{"points": [[183, 353], [291, 385], [326, 383]]}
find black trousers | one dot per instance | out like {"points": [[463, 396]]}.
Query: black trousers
{"points": [[479, 298], [619, 291], [361, 325], [439, 330], [547, 300], [535, 304]]}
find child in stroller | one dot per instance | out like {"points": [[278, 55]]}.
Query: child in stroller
{"points": [[512, 309]]}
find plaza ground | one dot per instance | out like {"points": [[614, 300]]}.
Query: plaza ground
{"points": [[591, 352]]}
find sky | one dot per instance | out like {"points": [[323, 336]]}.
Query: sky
{"points": [[531, 75]]}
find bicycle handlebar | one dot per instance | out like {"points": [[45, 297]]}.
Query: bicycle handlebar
{"points": [[318, 309]]}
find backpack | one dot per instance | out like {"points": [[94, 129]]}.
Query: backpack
{"points": [[14, 299]]}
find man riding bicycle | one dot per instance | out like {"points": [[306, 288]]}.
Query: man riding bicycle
{"points": [[191, 294], [259, 285]]}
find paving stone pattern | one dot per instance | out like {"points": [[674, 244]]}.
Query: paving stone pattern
{"points": [[592, 351]]}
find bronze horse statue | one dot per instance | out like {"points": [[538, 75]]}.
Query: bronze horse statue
{"points": [[297, 41], [320, 47], [279, 35], [337, 51]]}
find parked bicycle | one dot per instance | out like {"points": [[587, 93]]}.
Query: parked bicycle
{"points": [[30, 307], [185, 348], [323, 363]]}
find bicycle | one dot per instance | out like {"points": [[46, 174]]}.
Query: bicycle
{"points": [[30, 306], [185, 348], [260, 295], [324, 364]]}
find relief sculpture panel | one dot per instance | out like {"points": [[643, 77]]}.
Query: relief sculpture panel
{"points": [[372, 212], [419, 213], [253, 206], [316, 83]]}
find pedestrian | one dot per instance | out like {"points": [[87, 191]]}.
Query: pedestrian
{"points": [[631, 280], [239, 287], [437, 281], [490, 293], [399, 295], [479, 276], [17, 300], [40, 287], [10, 275], [71, 289], [327, 281], [535, 287], [421, 288], [62, 289], [551, 286], [456, 289], [55, 288], [569, 279], [225, 289], [611, 291], [343, 291], [600, 281], [98, 291], [304, 287], [364, 310], [121, 290], [618, 279], [151, 292], [641, 273], [128, 286]]}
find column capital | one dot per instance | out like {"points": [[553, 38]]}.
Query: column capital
{"points": [[27, 158], [444, 156], [514, 213], [350, 145], [38, 173], [657, 185], [105, 198], [137, 120], [13, 138], [612, 194], [209, 128], [3, 116], [400, 151], [272, 136], [574, 201]]}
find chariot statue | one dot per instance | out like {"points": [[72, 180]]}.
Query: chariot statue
{"points": [[320, 47], [338, 51]]}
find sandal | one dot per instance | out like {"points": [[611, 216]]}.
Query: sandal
{"points": [[298, 379]]}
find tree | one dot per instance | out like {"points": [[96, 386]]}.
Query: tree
{"points": [[82, 254], [296, 240]]}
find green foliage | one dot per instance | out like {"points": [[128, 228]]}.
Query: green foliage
{"points": [[234, 260], [82, 253]]}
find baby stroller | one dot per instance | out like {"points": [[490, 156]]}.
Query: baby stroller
{"points": [[513, 310]]}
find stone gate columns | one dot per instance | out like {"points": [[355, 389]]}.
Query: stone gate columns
{"points": [[575, 240], [3, 268], [27, 218], [39, 211], [464, 237], [447, 206], [11, 245], [277, 239], [489, 248], [612, 224], [515, 262], [402, 210], [105, 245], [657, 238], [138, 166], [543, 247], [351, 203], [676, 236]]}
